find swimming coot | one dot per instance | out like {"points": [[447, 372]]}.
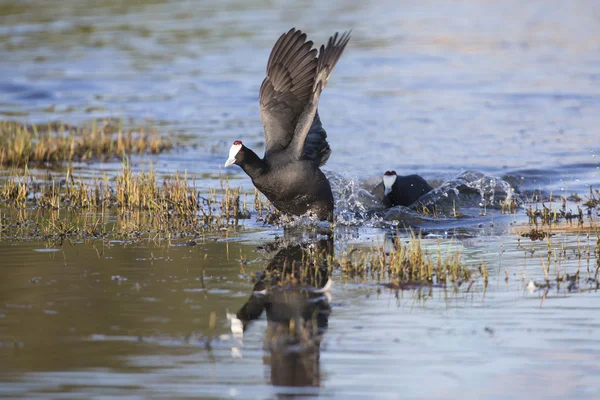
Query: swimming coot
{"points": [[397, 190], [295, 141]]}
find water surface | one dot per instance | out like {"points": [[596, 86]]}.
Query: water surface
{"points": [[507, 89], [430, 88]]}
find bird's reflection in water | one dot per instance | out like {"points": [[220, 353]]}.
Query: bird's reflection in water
{"points": [[294, 291]]}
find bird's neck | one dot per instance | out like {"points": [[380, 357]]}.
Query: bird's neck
{"points": [[254, 166]]}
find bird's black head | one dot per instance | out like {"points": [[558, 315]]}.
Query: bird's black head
{"points": [[237, 152], [389, 177]]}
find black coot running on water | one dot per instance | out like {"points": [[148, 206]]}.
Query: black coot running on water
{"points": [[295, 141], [397, 190]]}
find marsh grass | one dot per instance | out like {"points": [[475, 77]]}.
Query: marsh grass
{"points": [[551, 266], [130, 204], [410, 264], [312, 270], [552, 222], [564, 267], [22, 145], [551, 217], [265, 211]]}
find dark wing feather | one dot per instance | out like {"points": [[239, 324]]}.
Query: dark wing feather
{"points": [[287, 88], [316, 146], [309, 132], [329, 56], [290, 93]]}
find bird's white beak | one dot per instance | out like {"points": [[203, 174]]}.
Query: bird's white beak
{"points": [[388, 182], [233, 150], [229, 161]]}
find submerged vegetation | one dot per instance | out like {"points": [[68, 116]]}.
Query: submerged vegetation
{"points": [[409, 264], [542, 268], [551, 217], [134, 204], [54, 143], [562, 253]]}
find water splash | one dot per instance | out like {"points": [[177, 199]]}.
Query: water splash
{"points": [[471, 190], [470, 193], [356, 206]]}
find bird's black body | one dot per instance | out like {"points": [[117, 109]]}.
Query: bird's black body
{"points": [[295, 141], [405, 191], [292, 187]]}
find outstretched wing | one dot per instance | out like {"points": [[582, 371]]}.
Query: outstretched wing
{"points": [[309, 133], [287, 89], [290, 93]]}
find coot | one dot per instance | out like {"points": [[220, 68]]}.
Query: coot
{"points": [[295, 141], [397, 190]]}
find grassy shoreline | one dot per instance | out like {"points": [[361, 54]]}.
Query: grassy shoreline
{"points": [[137, 204], [55, 143]]}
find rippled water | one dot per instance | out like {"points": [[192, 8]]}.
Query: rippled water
{"points": [[433, 88], [506, 89], [134, 321]]}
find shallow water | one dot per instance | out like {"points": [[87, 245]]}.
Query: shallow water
{"points": [[429, 88], [134, 321], [510, 90]]}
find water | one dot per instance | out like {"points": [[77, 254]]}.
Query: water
{"points": [[441, 87], [134, 321], [507, 90]]}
